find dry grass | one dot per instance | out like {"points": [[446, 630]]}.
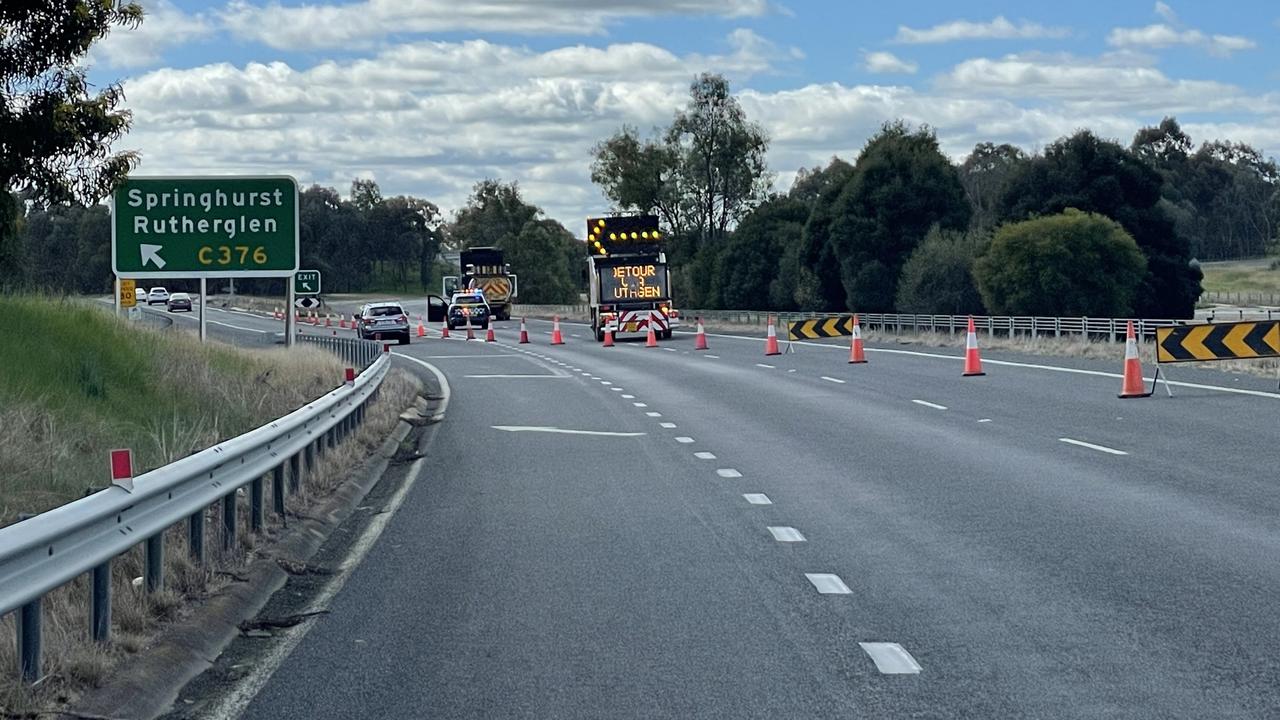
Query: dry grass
{"points": [[53, 445], [1242, 276]]}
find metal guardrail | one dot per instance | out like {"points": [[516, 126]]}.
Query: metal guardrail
{"points": [[1110, 329], [1255, 299], [360, 353], [49, 550]]}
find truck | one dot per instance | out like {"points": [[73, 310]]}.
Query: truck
{"points": [[483, 269], [629, 283]]}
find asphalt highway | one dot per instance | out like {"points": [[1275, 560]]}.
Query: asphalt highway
{"points": [[666, 533]]}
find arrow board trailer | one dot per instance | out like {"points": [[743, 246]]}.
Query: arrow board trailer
{"points": [[629, 281], [205, 227]]}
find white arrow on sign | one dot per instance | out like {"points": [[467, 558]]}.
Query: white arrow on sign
{"points": [[151, 254]]}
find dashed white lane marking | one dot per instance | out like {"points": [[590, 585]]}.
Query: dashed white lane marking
{"points": [[563, 431], [628, 397], [757, 498], [792, 370], [728, 473], [1091, 446], [654, 414], [668, 426], [831, 379], [928, 404], [891, 658], [828, 584], [763, 365], [640, 404], [784, 533], [713, 357], [684, 439], [616, 389], [985, 420], [705, 455], [669, 349], [606, 382]]}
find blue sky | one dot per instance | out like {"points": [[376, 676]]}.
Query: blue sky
{"points": [[429, 96]]}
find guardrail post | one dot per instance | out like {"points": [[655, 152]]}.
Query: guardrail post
{"points": [[155, 562], [229, 521], [295, 471], [277, 489], [29, 633], [1057, 327], [100, 604], [1113, 329], [195, 536], [255, 504]]}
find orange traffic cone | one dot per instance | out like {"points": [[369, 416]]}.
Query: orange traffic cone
{"points": [[771, 340], [524, 333], [972, 360], [1133, 387], [328, 321], [488, 336], [700, 341], [856, 354], [422, 329], [471, 333], [556, 337], [608, 337], [652, 339], [444, 329]]}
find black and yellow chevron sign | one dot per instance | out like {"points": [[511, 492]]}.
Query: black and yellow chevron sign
{"points": [[820, 328], [1220, 341]]}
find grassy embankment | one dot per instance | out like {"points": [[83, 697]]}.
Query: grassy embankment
{"points": [[1256, 276], [75, 383]]}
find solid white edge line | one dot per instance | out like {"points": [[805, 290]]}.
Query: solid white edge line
{"points": [[234, 704], [564, 431], [928, 404], [1010, 363], [1091, 446]]}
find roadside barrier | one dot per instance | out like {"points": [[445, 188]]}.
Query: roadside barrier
{"points": [[85, 536]]}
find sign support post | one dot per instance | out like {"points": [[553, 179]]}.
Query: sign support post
{"points": [[204, 294], [117, 297], [290, 313]]}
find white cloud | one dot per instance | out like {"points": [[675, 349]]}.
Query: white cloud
{"points": [[1163, 36], [163, 26], [887, 62], [997, 29], [368, 21], [432, 118], [1169, 34]]}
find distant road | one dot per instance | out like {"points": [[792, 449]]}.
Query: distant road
{"points": [[661, 533]]}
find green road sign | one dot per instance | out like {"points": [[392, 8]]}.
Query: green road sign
{"points": [[306, 282], [191, 227]]}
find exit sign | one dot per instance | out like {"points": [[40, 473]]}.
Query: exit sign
{"points": [[306, 282]]}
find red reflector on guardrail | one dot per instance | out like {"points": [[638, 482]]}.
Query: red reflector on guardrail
{"points": [[122, 468], [351, 375]]}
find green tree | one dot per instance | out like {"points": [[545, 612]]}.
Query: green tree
{"points": [[1100, 176], [985, 175], [860, 234], [493, 216], [938, 277], [701, 177], [747, 274], [1072, 263], [55, 134]]}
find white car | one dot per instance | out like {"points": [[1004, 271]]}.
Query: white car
{"points": [[158, 295]]}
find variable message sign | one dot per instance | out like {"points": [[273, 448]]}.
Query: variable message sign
{"points": [[635, 281], [191, 227]]}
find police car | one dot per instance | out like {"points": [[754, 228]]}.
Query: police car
{"points": [[468, 305]]}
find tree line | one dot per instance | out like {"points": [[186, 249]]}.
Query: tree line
{"points": [[1087, 226]]}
